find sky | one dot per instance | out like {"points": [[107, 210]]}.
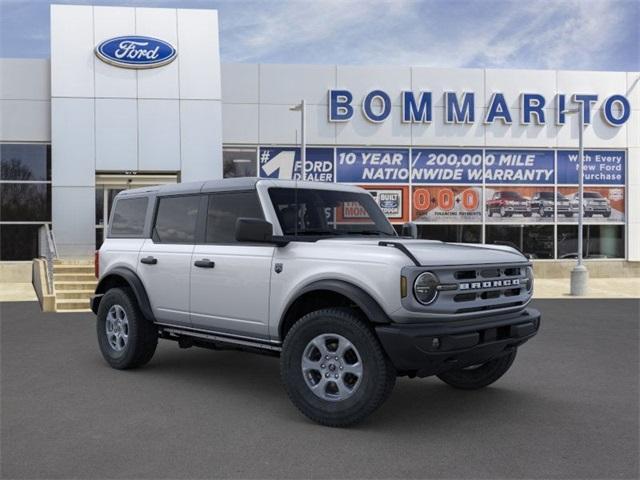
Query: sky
{"points": [[533, 34]]}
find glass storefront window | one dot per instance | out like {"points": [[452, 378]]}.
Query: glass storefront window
{"points": [[25, 162], [451, 233], [25, 202], [18, 242], [599, 241], [99, 206], [535, 241], [239, 162]]}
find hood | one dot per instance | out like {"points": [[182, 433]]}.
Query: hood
{"points": [[435, 253]]}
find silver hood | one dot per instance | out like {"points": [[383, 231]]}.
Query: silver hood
{"points": [[435, 253]]}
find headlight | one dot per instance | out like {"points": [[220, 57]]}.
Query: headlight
{"points": [[530, 279], [425, 288]]}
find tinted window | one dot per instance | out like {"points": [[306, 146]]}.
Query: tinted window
{"points": [[239, 162], [25, 202], [224, 209], [176, 219], [25, 162], [451, 233], [533, 240], [18, 242], [599, 241], [128, 217]]}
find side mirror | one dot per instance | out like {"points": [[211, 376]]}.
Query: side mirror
{"points": [[254, 230], [410, 229]]}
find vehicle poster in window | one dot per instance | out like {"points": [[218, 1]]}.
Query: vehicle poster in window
{"points": [[394, 201], [447, 203], [285, 163], [601, 204], [601, 167], [506, 204]]}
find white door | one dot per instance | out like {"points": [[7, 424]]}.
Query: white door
{"points": [[164, 263], [230, 280]]}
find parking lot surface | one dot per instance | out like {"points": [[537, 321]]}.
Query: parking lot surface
{"points": [[568, 408]]}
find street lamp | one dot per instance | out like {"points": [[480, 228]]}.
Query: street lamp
{"points": [[303, 141], [579, 274]]}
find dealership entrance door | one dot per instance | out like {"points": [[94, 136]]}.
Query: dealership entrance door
{"points": [[108, 185]]}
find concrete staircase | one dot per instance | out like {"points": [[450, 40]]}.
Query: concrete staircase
{"points": [[73, 282]]}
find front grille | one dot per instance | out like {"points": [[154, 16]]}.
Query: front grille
{"points": [[478, 288]]}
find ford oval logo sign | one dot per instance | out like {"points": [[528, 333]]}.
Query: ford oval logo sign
{"points": [[134, 51]]}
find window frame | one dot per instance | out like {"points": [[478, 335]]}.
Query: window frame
{"points": [[205, 216]]}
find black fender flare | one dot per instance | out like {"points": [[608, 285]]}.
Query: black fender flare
{"points": [[133, 281], [365, 302]]}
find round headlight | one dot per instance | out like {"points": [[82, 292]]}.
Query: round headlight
{"points": [[425, 288], [529, 279]]}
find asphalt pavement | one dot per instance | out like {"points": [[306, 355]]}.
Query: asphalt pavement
{"points": [[568, 408]]}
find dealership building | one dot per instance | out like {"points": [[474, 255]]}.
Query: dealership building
{"points": [[470, 155]]}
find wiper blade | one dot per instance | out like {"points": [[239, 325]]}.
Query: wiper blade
{"points": [[320, 232], [370, 232]]}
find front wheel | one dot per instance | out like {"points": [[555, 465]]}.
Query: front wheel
{"points": [[334, 369], [126, 338], [479, 376]]}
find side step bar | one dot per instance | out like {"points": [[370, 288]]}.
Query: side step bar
{"points": [[218, 338]]}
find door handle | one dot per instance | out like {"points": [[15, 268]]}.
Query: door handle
{"points": [[149, 260], [204, 263]]}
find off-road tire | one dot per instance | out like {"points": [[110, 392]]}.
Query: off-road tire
{"points": [[378, 377], [142, 333], [480, 377]]}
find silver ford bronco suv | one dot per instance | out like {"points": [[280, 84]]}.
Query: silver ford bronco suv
{"points": [[313, 273]]}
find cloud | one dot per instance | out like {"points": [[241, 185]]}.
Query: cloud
{"points": [[544, 34]]}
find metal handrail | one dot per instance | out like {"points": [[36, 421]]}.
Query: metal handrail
{"points": [[50, 252]]}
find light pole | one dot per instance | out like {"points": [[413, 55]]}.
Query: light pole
{"points": [[303, 140], [580, 274]]}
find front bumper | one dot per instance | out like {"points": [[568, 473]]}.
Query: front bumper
{"points": [[429, 349]]}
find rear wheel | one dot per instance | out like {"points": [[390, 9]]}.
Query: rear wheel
{"points": [[126, 338], [479, 376], [334, 369]]}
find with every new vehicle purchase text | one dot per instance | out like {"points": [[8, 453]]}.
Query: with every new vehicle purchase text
{"points": [[286, 268]]}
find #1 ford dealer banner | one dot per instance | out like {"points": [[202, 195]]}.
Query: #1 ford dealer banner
{"points": [[286, 164]]}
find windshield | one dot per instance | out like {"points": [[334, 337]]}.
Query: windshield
{"points": [[328, 213], [546, 195], [592, 195]]}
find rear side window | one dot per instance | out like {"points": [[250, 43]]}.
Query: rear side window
{"points": [[223, 211], [176, 219], [128, 217]]}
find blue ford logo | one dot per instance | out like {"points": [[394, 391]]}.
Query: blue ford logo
{"points": [[389, 204], [136, 52]]}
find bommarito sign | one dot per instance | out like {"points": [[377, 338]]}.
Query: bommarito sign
{"points": [[460, 108]]}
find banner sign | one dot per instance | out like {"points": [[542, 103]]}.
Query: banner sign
{"points": [[601, 167], [372, 165], [436, 165], [286, 164], [518, 166], [447, 204]]}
